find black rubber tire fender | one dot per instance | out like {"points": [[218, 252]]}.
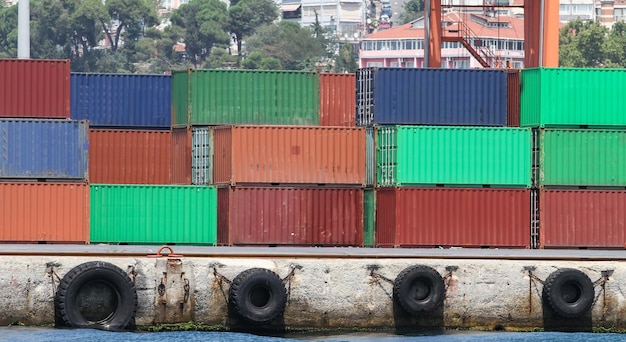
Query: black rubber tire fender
{"points": [[569, 292], [419, 289], [97, 295], [258, 295]]}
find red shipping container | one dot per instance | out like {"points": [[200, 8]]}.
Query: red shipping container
{"points": [[513, 98], [452, 217], [338, 99], [290, 216], [582, 218], [129, 156], [44, 212], [283, 155], [34, 88], [181, 156]]}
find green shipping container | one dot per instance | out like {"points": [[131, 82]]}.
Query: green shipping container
{"points": [[582, 157], [249, 97], [567, 97], [454, 156], [153, 214], [369, 217]]}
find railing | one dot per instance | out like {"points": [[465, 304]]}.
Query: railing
{"points": [[483, 54]]}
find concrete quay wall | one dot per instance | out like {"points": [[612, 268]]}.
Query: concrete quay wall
{"points": [[327, 292]]}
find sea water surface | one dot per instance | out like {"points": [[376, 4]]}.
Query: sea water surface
{"points": [[58, 335]]}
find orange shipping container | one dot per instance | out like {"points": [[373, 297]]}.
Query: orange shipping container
{"points": [[129, 156], [44, 212], [338, 100], [181, 156], [289, 155]]}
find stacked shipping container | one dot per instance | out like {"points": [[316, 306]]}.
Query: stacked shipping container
{"points": [[580, 155], [435, 184]]}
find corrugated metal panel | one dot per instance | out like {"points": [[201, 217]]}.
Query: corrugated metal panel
{"points": [[122, 100], [428, 217], [202, 156], [180, 97], [582, 157], [513, 100], [51, 149], [223, 97], [44, 212], [412, 155], [582, 218], [552, 97], [289, 155], [431, 96], [34, 88], [291, 216], [369, 217], [130, 156], [338, 100], [181, 156], [153, 214], [370, 155]]}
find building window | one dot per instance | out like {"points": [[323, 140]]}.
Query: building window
{"points": [[374, 64], [462, 64], [410, 64], [394, 64]]}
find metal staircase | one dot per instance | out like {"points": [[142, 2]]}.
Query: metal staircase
{"points": [[473, 44]]}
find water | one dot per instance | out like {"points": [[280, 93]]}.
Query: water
{"points": [[58, 335]]}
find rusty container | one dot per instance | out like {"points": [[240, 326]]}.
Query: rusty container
{"points": [[452, 217], [513, 98], [181, 156], [290, 216], [338, 99], [573, 218], [37, 212], [34, 88], [118, 156], [283, 155]]}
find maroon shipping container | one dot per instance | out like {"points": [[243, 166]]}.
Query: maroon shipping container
{"points": [[447, 217], [34, 88], [181, 156], [129, 156], [513, 100], [34, 212], [338, 100], [582, 218], [290, 216]]}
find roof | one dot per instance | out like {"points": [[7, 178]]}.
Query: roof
{"points": [[515, 29]]}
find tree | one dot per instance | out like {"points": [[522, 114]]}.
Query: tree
{"points": [[345, 61], [246, 16], [205, 23], [615, 46], [8, 32], [412, 9], [582, 44], [131, 18]]}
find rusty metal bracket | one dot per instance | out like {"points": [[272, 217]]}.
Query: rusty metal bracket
{"points": [[132, 274], [220, 278], [159, 254], [290, 276], [54, 277], [379, 276], [448, 276], [604, 278], [186, 289]]}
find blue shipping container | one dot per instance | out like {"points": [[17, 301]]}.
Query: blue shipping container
{"points": [[121, 100], [397, 96], [51, 149]]}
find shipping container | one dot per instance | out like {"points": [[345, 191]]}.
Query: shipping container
{"points": [[246, 97], [290, 216], [122, 100], [35, 88], [453, 156], [44, 149], [34, 212], [153, 214], [569, 97], [181, 156], [118, 156], [369, 217], [430, 96], [338, 100], [582, 157], [582, 218], [513, 100], [453, 217], [289, 155], [202, 156]]}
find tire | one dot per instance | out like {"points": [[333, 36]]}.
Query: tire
{"points": [[419, 289], [569, 292], [96, 295], [258, 295]]}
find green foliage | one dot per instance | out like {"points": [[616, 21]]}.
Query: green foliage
{"points": [[587, 44], [345, 61], [246, 16], [412, 9], [8, 32]]}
